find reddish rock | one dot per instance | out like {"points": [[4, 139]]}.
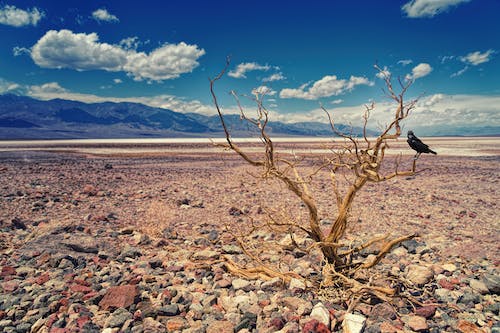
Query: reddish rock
{"points": [[387, 327], [277, 322], [119, 297], [89, 190], [314, 326], [465, 326], [417, 323], [78, 288], [7, 271], [41, 279], [224, 283], [427, 311], [10, 286], [446, 284], [176, 324]]}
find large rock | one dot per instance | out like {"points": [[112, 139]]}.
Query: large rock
{"points": [[119, 297]]}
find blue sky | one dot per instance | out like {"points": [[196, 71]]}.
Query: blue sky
{"points": [[299, 53]]}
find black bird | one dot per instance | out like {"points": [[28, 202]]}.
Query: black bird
{"points": [[417, 145]]}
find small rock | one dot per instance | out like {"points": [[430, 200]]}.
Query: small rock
{"points": [[169, 310], [272, 284], [465, 326], [248, 321], [384, 311], [449, 267], [314, 326], [492, 282], [427, 311], [277, 322], [297, 284], [416, 323], [241, 284], [118, 318], [353, 323], [176, 324], [231, 249], [152, 326], [419, 275], [321, 313], [479, 286], [119, 297], [206, 255], [220, 326]]}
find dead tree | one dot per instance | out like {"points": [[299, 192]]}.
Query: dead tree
{"points": [[355, 163]]}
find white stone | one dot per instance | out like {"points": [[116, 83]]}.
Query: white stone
{"points": [[353, 323], [449, 267], [240, 284], [321, 314], [297, 284]]}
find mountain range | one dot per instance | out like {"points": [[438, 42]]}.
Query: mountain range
{"points": [[22, 117]]}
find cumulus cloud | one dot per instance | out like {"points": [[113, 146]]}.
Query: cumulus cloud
{"points": [[429, 8], [328, 86], [419, 71], [240, 70], [477, 58], [80, 51], [117, 81], [102, 15], [274, 77], [13, 16]]}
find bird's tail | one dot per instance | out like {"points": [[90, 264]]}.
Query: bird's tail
{"points": [[432, 152]]}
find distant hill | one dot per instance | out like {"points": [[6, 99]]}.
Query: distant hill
{"points": [[23, 117]]}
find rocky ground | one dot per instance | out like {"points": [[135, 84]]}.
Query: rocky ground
{"points": [[136, 244]]}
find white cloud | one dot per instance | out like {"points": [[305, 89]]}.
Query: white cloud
{"points": [[337, 101], [384, 73], [447, 58], [166, 62], [274, 77], [53, 90], [429, 8], [419, 71], [117, 81], [130, 43], [8, 87], [17, 51], [263, 90], [10, 15], [243, 68], [460, 72], [438, 110], [405, 62], [328, 86], [477, 58], [102, 15], [80, 51]]}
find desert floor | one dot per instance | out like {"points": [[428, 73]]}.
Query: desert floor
{"points": [[194, 189]]}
